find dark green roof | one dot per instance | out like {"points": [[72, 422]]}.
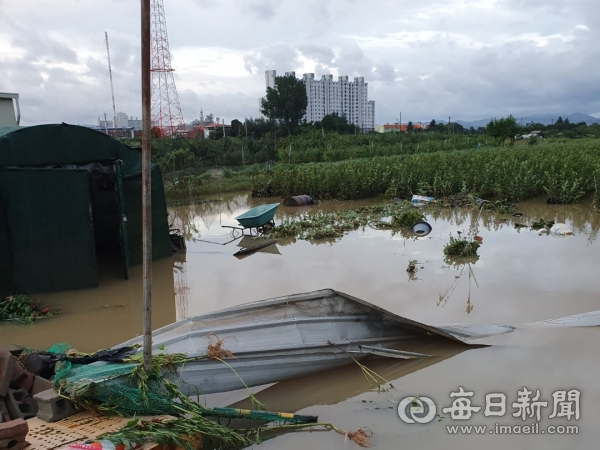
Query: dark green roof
{"points": [[42, 145], [6, 130]]}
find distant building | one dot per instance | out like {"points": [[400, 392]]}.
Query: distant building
{"points": [[10, 111], [136, 123], [342, 97], [105, 123], [215, 127], [537, 134], [118, 132], [399, 128], [270, 78], [121, 120]]}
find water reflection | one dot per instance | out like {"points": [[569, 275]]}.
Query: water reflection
{"points": [[334, 386]]}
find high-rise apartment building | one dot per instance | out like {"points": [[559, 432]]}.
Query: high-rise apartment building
{"points": [[344, 97]]}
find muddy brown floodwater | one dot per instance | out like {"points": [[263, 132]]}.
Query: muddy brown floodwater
{"points": [[519, 278]]}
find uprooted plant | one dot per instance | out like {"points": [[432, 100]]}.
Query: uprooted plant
{"points": [[23, 309], [461, 246], [412, 266]]}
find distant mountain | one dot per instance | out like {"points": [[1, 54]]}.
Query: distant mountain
{"points": [[544, 119]]}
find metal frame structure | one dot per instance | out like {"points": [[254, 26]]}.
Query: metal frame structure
{"points": [[166, 110]]}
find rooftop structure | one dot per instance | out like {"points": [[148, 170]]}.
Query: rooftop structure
{"points": [[10, 111]]}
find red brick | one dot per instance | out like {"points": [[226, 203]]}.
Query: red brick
{"points": [[4, 411], [7, 363], [23, 381], [13, 428], [10, 442]]}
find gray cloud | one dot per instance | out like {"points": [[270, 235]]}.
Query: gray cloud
{"points": [[429, 59], [262, 9]]}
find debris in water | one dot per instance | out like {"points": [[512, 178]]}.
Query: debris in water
{"points": [[541, 223], [216, 350], [412, 266], [561, 229], [23, 309], [361, 437], [421, 228]]}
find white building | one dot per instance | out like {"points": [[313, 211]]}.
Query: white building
{"points": [[344, 97], [122, 120], [10, 111]]}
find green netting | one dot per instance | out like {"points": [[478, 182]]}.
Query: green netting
{"points": [[108, 386], [59, 347], [111, 387]]}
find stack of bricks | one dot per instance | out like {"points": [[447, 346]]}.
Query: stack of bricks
{"points": [[16, 403], [24, 395], [17, 388]]}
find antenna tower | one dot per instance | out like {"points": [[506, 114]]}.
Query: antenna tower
{"points": [[112, 90], [166, 111]]}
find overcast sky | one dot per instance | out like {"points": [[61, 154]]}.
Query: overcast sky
{"points": [[429, 59]]}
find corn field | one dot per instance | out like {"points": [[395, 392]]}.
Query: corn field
{"points": [[562, 171]]}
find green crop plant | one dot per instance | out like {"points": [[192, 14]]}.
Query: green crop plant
{"points": [[461, 246], [566, 170]]}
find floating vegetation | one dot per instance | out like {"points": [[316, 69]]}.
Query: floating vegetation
{"points": [[541, 223], [412, 266], [333, 225], [23, 309], [406, 218], [461, 247]]}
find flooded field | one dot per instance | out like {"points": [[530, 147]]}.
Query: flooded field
{"points": [[519, 277]]}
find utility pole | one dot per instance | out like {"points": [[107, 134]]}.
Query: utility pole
{"points": [[146, 183], [223, 122], [246, 125], [112, 90]]}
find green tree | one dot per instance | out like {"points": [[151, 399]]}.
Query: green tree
{"points": [[410, 127], [502, 129], [286, 103], [329, 123], [236, 126]]}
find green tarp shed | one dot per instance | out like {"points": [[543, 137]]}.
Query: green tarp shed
{"points": [[71, 197]]}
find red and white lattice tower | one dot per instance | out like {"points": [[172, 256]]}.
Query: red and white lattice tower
{"points": [[166, 111]]}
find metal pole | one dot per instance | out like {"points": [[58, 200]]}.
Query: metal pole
{"points": [[146, 183]]}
